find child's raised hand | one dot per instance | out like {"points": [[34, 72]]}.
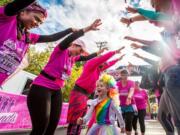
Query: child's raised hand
{"points": [[80, 121]]}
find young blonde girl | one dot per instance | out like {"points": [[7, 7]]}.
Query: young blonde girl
{"points": [[106, 108]]}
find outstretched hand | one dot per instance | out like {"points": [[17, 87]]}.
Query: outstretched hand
{"points": [[125, 21], [94, 26], [131, 10], [119, 50], [120, 58], [129, 38], [102, 50], [135, 46], [137, 55]]}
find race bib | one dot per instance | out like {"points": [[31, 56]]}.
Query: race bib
{"points": [[11, 54]]}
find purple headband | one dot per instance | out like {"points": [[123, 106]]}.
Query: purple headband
{"points": [[37, 8]]}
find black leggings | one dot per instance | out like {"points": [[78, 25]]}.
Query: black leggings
{"points": [[128, 118], [44, 107], [141, 116]]}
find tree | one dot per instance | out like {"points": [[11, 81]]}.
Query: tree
{"points": [[37, 60], [4, 2]]}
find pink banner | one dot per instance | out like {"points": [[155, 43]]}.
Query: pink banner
{"points": [[14, 113]]}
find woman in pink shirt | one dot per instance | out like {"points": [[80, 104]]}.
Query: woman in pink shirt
{"points": [[86, 85], [126, 90], [45, 98], [16, 19], [141, 100]]}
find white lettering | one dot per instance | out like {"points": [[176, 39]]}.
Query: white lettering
{"points": [[8, 117]]}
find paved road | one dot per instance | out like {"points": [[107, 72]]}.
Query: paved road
{"points": [[152, 128]]}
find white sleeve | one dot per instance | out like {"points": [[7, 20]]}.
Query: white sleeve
{"points": [[89, 113], [118, 114]]}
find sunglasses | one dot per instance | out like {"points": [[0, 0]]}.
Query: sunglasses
{"points": [[38, 20]]}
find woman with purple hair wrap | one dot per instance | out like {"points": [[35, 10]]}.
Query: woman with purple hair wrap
{"points": [[16, 19]]}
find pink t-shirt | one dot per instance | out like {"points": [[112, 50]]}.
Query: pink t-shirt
{"points": [[12, 50], [58, 66], [124, 90], [91, 71], [157, 93], [141, 98]]}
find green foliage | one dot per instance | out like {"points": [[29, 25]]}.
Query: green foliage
{"points": [[37, 60], [4, 2]]}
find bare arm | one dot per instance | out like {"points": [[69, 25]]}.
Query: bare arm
{"points": [[128, 21], [146, 42]]}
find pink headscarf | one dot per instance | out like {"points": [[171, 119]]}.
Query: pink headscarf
{"points": [[37, 8]]}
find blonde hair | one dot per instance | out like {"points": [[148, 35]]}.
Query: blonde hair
{"points": [[111, 84]]}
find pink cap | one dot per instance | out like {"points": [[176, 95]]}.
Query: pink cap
{"points": [[80, 43]]}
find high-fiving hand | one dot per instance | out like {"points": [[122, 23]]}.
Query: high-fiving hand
{"points": [[94, 26], [119, 50], [102, 50], [131, 10], [135, 46], [121, 57]]}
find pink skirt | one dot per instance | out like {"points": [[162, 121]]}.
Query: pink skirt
{"points": [[77, 106]]}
